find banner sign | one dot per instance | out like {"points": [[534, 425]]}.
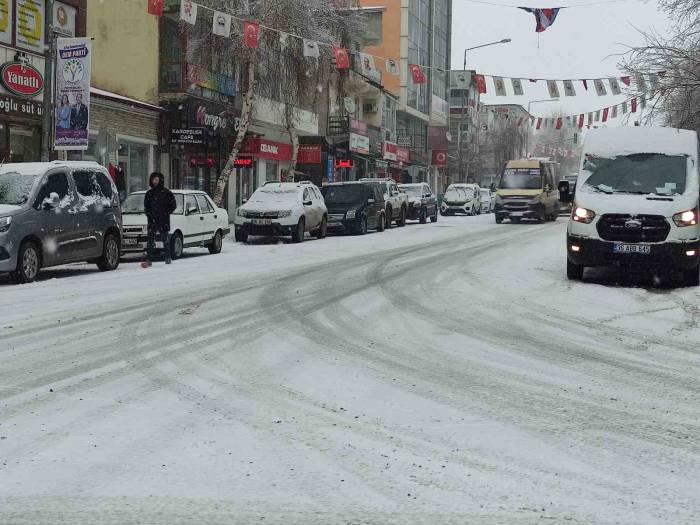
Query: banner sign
{"points": [[64, 17], [72, 114], [359, 143], [195, 136], [6, 21], [309, 154], [390, 151], [29, 31], [439, 157], [403, 155]]}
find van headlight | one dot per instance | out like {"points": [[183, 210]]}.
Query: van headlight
{"points": [[5, 224], [684, 218], [582, 215]]}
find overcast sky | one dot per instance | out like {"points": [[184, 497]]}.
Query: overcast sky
{"points": [[578, 45]]}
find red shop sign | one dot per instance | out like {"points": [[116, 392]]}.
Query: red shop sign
{"points": [[267, 149], [403, 155], [309, 154], [22, 80], [439, 157], [390, 151]]}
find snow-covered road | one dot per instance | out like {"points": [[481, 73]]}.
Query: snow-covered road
{"points": [[439, 373]]}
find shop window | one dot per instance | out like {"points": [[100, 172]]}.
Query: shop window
{"points": [[134, 160], [25, 144], [89, 154], [272, 171]]}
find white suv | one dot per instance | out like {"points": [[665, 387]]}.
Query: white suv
{"points": [[280, 209]]}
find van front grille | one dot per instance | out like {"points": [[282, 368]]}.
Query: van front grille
{"points": [[633, 228]]}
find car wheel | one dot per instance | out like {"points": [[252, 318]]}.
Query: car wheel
{"points": [[109, 260], [402, 219], [299, 232], [362, 230], [28, 263], [691, 277], [434, 217], [574, 272], [381, 223], [322, 230], [499, 220], [217, 243], [387, 220], [241, 236], [176, 246], [424, 216]]}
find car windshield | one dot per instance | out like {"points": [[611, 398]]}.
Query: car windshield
{"points": [[413, 191], [521, 179], [343, 193], [16, 187], [455, 194], [639, 173], [133, 205], [484, 193], [276, 194]]}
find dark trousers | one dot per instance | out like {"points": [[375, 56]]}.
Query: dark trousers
{"points": [[164, 237]]}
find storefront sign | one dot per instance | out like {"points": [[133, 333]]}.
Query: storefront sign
{"points": [[358, 126], [6, 21], [72, 114], [215, 117], [188, 136], [343, 163], [22, 80], [243, 162], [403, 155], [29, 33], [439, 157], [359, 143], [267, 149], [64, 19], [16, 107], [390, 151], [405, 141], [309, 154]]}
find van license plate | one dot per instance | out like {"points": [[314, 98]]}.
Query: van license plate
{"points": [[643, 249]]}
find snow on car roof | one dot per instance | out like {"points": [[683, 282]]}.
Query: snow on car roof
{"points": [[607, 142], [35, 168], [188, 192]]}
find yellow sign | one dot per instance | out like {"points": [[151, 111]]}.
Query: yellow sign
{"points": [[29, 33], [6, 21]]}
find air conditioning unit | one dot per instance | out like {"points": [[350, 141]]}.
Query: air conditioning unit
{"points": [[370, 107]]}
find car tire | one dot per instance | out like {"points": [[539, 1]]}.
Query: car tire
{"points": [[299, 232], [691, 277], [424, 216], [574, 272], [362, 229], [176, 246], [109, 260], [434, 217], [499, 220], [387, 220], [241, 236], [28, 263], [381, 223], [216, 243], [402, 218], [322, 229]]}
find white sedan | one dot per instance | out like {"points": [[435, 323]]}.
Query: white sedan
{"points": [[196, 222]]}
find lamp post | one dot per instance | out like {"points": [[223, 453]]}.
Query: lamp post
{"points": [[527, 135], [464, 101]]}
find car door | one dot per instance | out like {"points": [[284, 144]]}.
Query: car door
{"points": [[379, 203], [90, 211], [310, 211], [395, 204], [193, 222], [57, 219], [431, 201], [319, 204], [207, 220]]}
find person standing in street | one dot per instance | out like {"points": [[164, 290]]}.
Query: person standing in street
{"points": [[159, 203]]}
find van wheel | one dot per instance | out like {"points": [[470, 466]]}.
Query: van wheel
{"points": [[402, 218], [499, 220], [322, 230], [575, 271], [28, 263], [216, 244], [176, 246], [691, 277], [299, 232], [387, 221], [109, 260]]}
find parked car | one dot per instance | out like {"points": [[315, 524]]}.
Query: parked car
{"points": [[488, 200], [196, 222], [355, 207], [396, 202], [636, 202], [461, 198], [54, 213], [281, 209], [527, 190], [422, 203]]}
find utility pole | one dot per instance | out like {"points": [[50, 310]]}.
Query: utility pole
{"points": [[49, 47]]}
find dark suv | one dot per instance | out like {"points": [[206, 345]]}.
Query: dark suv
{"points": [[422, 203], [355, 207]]}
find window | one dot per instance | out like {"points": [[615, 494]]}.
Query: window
{"points": [[134, 159], [307, 196], [171, 63], [272, 169], [92, 184], [204, 204], [192, 203], [55, 183], [373, 28]]}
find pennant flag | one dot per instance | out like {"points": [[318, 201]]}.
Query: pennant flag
{"points": [[517, 86], [367, 65], [553, 88], [251, 33], [543, 17], [614, 86], [580, 120], [613, 114], [624, 108], [539, 123], [155, 7], [222, 24], [605, 114], [599, 87], [500, 86], [585, 84], [597, 116], [392, 67], [461, 79], [558, 123], [417, 74], [634, 105], [481, 83], [569, 90], [342, 58], [626, 80], [311, 49], [188, 12]]}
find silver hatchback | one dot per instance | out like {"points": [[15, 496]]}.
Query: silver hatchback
{"points": [[55, 213]]}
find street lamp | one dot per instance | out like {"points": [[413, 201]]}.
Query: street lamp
{"points": [[527, 135], [464, 100]]}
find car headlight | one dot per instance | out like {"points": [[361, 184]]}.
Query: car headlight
{"points": [[5, 223], [351, 214], [582, 215], [284, 213], [684, 218]]}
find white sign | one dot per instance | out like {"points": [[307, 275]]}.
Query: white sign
{"points": [[6, 21], [64, 19], [359, 143], [29, 32]]}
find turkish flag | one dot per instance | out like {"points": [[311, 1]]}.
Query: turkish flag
{"points": [[342, 58], [585, 84], [558, 123], [417, 74], [155, 7], [439, 157], [539, 123], [580, 120], [251, 33], [480, 83], [626, 80], [606, 111], [634, 105]]}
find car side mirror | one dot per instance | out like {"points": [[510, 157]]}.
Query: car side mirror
{"points": [[52, 201], [308, 203], [191, 210]]}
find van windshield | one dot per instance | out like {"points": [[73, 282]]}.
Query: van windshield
{"points": [[639, 173], [521, 179], [15, 187]]}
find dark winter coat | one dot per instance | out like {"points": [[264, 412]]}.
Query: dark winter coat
{"points": [[159, 203]]}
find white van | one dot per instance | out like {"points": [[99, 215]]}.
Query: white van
{"points": [[636, 202]]}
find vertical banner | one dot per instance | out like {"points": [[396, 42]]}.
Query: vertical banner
{"points": [[517, 86], [569, 89], [553, 88], [72, 111]]}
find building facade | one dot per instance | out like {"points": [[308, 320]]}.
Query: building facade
{"points": [[464, 127]]}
